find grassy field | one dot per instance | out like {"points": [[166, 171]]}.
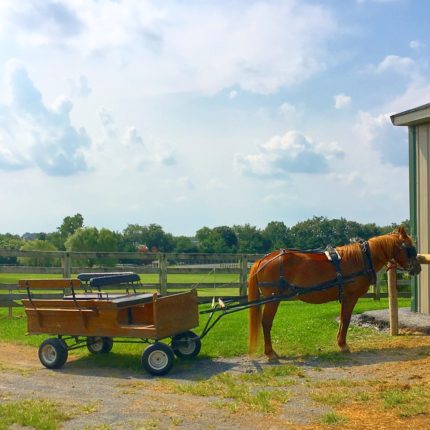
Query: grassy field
{"points": [[299, 330], [220, 281]]}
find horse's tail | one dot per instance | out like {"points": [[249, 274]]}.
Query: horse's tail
{"points": [[255, 313]]}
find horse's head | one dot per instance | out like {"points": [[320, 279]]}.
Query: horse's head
{"points": [[405, 252]]}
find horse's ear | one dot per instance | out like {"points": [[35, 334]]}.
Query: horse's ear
{"points": [[402, 232]]}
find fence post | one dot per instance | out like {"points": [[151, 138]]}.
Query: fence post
{"points": [[377, 287], [10, 307], [162, 265], [392, 301], [243, 275], [67, 265]]}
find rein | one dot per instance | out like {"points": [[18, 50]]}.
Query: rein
{"points": [[291, 290]]}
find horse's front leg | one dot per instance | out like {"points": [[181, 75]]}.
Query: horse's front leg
{"points": [[269, 313], [346, 308]]}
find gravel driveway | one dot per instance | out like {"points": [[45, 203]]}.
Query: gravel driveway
{"points": [[120, 399]]}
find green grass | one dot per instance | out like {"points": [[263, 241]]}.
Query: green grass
{"points": [[220, 281], [333, 419], [150, 278], [407, 400], [299, 330], [237, 392], [37, 414]]}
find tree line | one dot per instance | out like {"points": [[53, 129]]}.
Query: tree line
{"points": [[73, 235]]}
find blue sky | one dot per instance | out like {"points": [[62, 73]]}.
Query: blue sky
{"points": [[203, 113]]}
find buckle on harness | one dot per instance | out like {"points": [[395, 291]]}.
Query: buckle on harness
{"points": [[332, 254]]}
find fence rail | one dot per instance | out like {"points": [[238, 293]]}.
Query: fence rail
{"points": [[160, 264]]}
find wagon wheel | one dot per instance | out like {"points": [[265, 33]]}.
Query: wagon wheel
{"points": [[53, 353], [186, 345], [157, 359], [99, 345]]}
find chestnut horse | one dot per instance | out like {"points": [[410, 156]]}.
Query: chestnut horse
{"points": [[343, 274]]}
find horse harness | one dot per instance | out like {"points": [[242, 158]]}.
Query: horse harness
{"points": [[289, 290]]}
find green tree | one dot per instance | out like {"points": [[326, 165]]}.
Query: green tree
{"points": [[221, 239], [70, 225], [251, 240], [56, 239], [67, 228], [319, 232], [91, 239], [38, 245], [10, 242], [277, 233], [184, 244], [392, 227], [152, 235]]}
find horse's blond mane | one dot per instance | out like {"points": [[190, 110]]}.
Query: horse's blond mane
{"points": [[382, 245], [351, 252]]}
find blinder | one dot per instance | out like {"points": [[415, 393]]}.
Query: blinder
{"points": [[411, 251]]}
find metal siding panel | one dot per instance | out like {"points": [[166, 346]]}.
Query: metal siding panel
{"points": [[425, 298], [419, 227], [423, 212], [413, 207]]}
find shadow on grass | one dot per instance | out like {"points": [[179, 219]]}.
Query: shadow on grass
{"points": [[127, 366]]}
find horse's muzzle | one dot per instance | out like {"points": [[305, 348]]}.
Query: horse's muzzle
{"points": [[414, 267]]}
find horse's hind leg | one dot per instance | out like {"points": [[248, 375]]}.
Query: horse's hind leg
{"points": [[346, 308], [269, 313]]}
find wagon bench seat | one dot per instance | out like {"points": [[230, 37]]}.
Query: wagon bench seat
{"points": [[119, 300], [132, 299]]}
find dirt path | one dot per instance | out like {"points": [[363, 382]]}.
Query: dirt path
{"points": [[352, 392]]}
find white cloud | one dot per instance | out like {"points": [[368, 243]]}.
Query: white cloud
{"points": [[232, 94], [79, 88], [401, 65], [126, 149], [108, 123], [132, 139], [416, 45], [416, 94], [378, 133], [291, 153], [217, 184], [164, 155], [341, 101], [377, 1], [34, 135], [202, 47], [287, 109]]}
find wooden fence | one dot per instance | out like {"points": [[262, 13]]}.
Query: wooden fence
{"points": [[163, 265]]}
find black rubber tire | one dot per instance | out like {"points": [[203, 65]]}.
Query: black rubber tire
{"points": [[99, 345], [186, 345], [158, 359], [53, 353]]}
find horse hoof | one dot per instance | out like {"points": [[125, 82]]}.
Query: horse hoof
{"points": [[273, 357], [345, 349]]}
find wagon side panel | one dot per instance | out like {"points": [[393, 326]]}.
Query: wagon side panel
{"points": [[58, 317], [176, 313]]}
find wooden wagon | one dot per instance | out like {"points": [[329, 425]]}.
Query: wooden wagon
{"points": [[85, 315]]}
